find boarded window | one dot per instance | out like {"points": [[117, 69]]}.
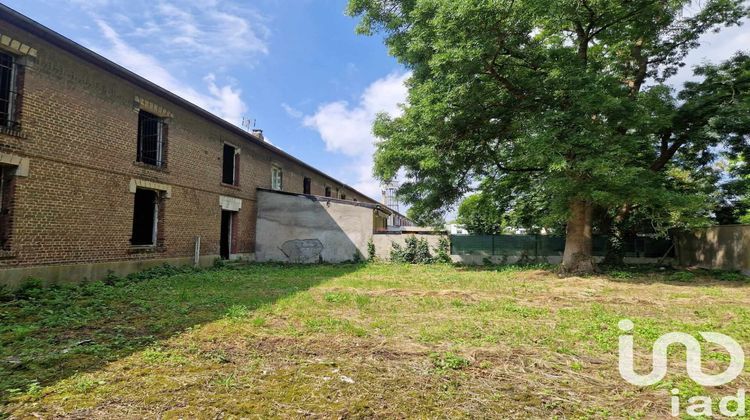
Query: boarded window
{"points": [[276, 178], [306, 185], [145, 217], [229, 166], [151, 139], [8, 92]]}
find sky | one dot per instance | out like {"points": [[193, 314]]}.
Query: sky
{"points": [[295, 67]]}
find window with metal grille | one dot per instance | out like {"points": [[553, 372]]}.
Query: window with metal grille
{"points": [[306, 185], [150, 139], [276, 178], [8, 92], [229, 165]]}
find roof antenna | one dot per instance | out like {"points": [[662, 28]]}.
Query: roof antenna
{"points": [[248, 123]]}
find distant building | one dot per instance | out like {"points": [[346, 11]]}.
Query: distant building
{"points": [[456, 229]]}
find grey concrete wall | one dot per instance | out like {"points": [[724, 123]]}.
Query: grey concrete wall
{"points": [[74, 273], [301, 229], [384, 243], [716, 247]]}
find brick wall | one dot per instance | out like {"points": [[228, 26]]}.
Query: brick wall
{"points": [[79, 130]]}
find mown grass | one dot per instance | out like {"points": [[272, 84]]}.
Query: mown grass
{"points": [[357, 340]]}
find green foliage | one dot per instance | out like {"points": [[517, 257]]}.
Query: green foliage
{"points": [[370, 250], [539, 104], [682, 276], [415, 251], [480, 215], [444, 250], [30, 288], [448, 361]]}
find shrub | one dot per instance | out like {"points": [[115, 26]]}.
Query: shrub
{"points": [[6, 294], [31, 288], [397, 253], [416, 251], [444, 250], [370, 250]]}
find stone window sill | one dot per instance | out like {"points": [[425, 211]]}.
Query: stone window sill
{"points": [[13, 132], [162, 168]]}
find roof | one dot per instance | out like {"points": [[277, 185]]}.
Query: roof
{"points": [[84, 53], [381, 207]]}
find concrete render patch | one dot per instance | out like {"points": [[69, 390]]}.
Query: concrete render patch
{"points": [[142, 183], [230, 203], [74, 273]]}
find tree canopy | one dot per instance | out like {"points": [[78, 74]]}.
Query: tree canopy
{"points": [[557, 106]]}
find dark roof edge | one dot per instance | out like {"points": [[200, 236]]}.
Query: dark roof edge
{"points": [[380, 207], [80, 51]]}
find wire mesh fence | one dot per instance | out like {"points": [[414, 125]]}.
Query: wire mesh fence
{"points": [[544, 246]]}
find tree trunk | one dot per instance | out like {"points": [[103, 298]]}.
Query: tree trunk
{"points": [[578, 258]]}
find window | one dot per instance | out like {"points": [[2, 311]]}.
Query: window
{"points": [[6, 204], [328, 191], [145, 217], [8, 92], [343, 196], [230, 167], [151, 139], [306, 185], [338, 193], [276, 178]]}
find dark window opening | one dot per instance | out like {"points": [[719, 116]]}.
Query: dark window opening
{"points": [[6, 205], [145, 217], [150, 139], [8, 92], [226, 234], [328, 191], [343, 196], [306, 186], [228, 173]]}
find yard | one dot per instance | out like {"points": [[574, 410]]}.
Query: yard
{"points": [[373, 340]]}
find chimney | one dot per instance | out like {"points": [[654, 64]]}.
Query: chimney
{"points": [[259, 133]]}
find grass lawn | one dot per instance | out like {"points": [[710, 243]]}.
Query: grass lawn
{"points": [[357, 341]]}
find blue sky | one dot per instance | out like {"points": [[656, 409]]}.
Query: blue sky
{"points": [[296, 66]]}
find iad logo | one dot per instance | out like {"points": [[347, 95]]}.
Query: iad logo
{"points": [[699, 405]]}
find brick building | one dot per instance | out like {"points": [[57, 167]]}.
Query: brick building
{"points": [[102, 170]]}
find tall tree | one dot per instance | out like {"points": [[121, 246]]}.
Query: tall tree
{"points": [[549, 98], [480, 215]]}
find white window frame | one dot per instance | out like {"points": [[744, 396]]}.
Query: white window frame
{"points": [[277, 178]]}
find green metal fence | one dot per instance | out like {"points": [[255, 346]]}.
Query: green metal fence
{"points": [[544, 246]]}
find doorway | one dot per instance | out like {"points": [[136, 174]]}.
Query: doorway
{"points": [[226, 234]]}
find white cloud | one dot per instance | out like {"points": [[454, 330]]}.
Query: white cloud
{"points": [[291, 111], [347, 128], [224, 101], [186, 31]]}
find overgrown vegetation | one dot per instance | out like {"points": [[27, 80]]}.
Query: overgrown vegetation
{"points": [[415, 251], [369, 340]]}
